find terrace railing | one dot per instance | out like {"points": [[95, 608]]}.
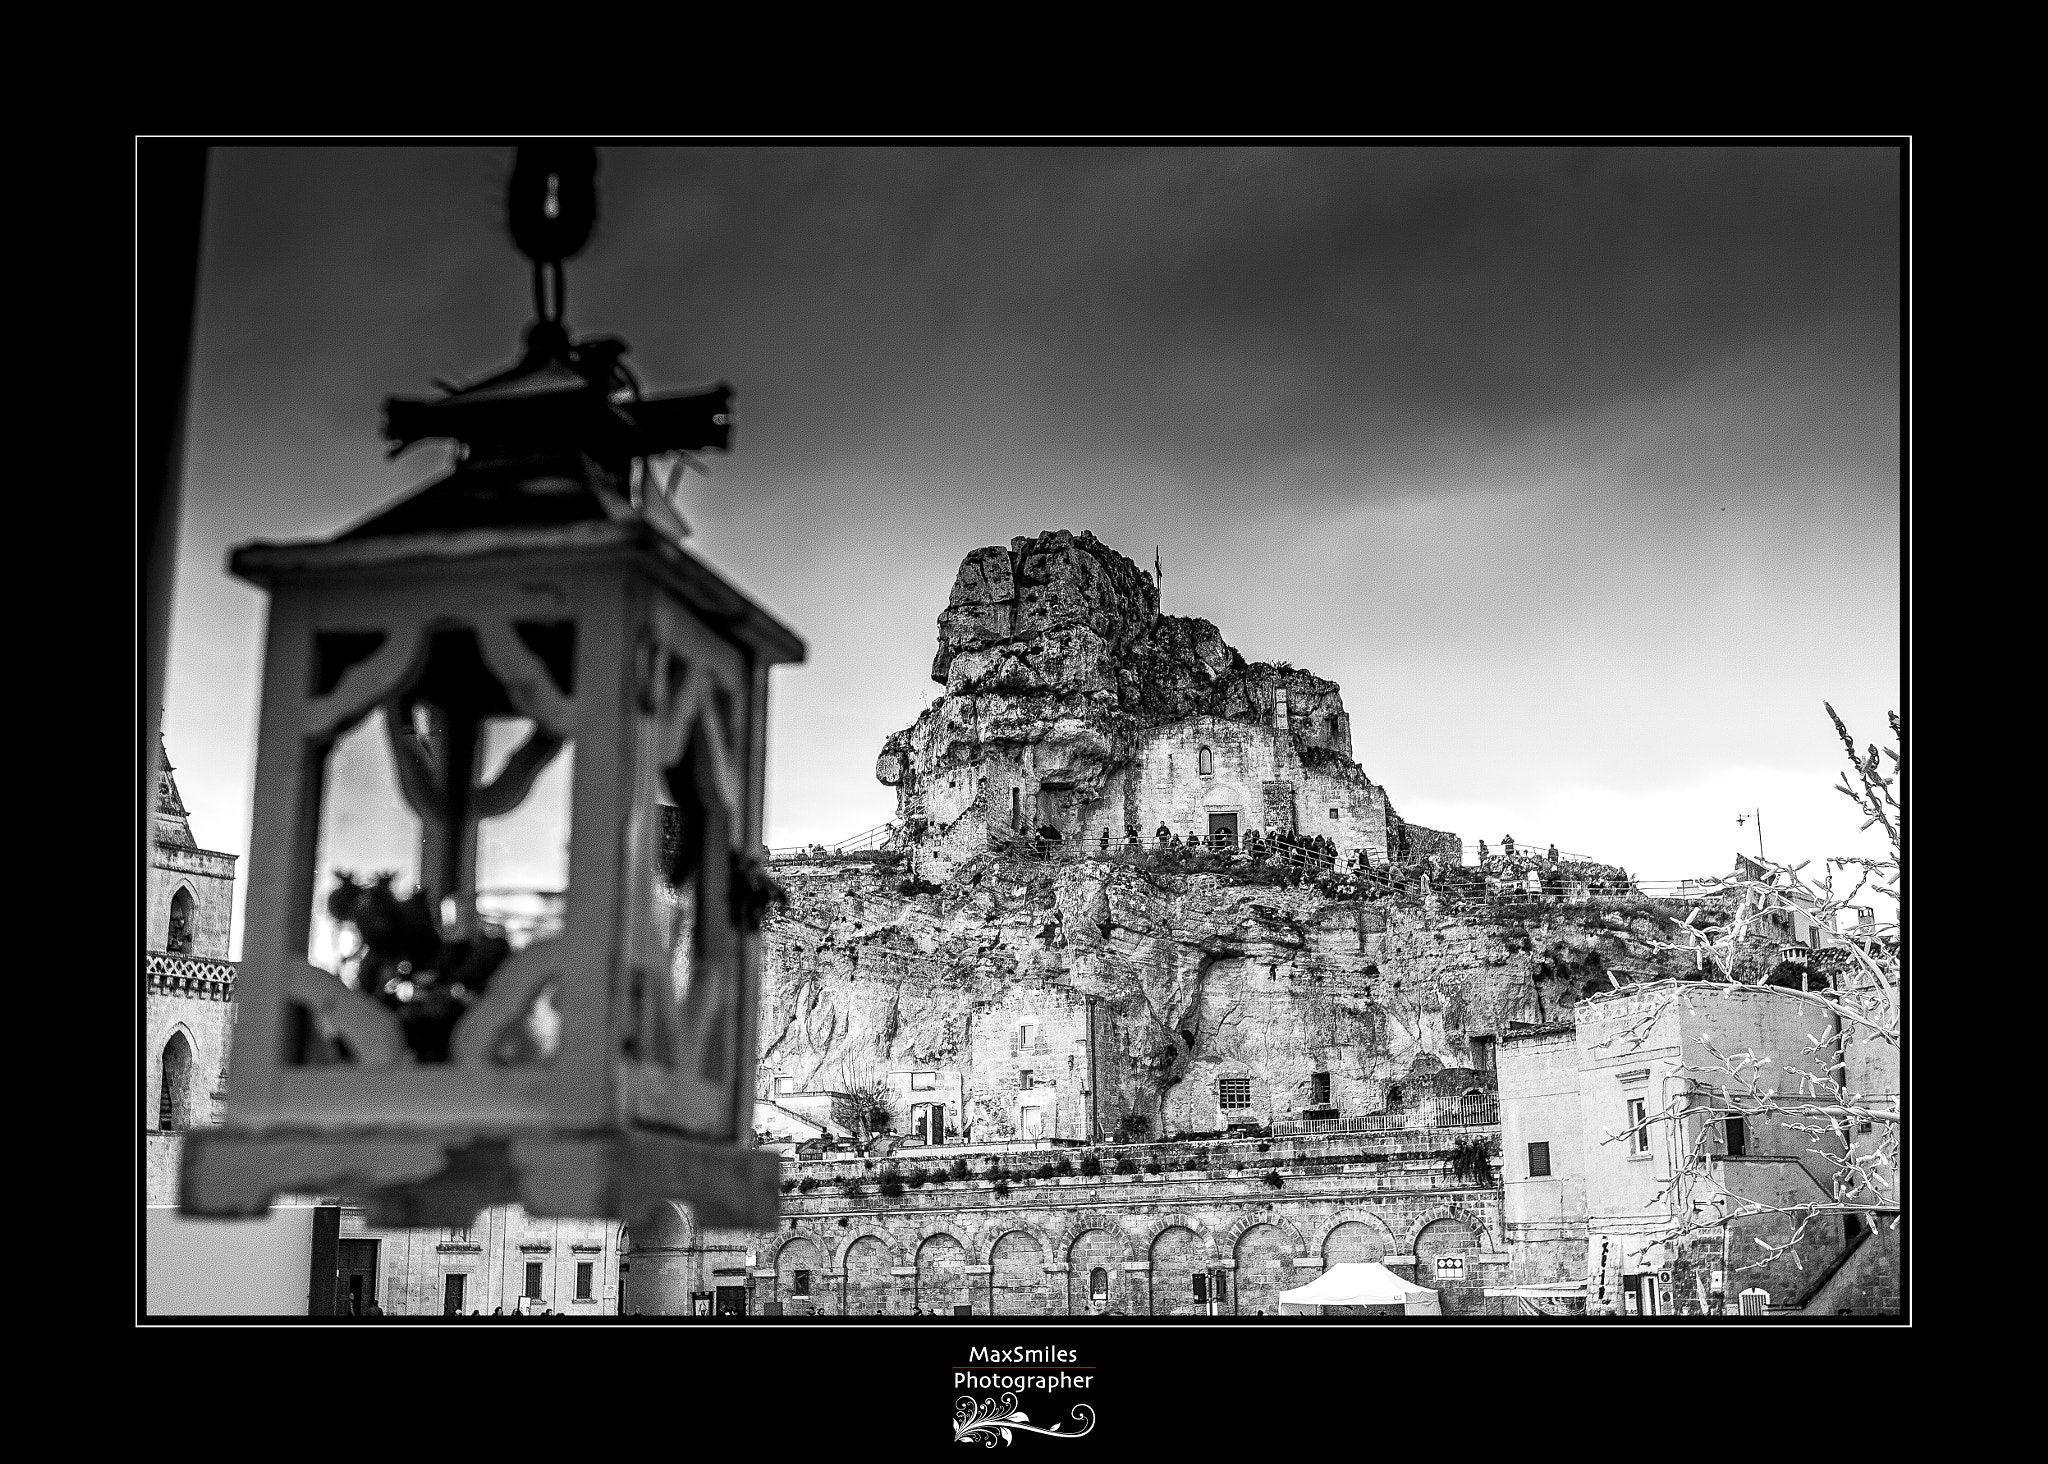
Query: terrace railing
{"points": [[166, 973]]}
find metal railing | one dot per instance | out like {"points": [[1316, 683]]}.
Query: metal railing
{"points": [[865, 842], [1468, 1113]]}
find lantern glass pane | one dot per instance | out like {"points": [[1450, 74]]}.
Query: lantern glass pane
{"points": [[443, 849], [366, 831], [522, 855]]}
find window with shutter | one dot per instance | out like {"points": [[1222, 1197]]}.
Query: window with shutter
{"points": [[533, 1269], [1539, 1161], [584, 1270], [1639, 1126]]}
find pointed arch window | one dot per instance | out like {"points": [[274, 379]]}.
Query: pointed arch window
{"points": [[174, 1086], [1205, 763], [178, 938]]}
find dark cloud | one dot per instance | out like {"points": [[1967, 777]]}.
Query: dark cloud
{"points": [[1463, 428]]}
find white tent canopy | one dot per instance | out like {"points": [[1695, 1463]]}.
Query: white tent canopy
{"points": [[1360, 1283]]}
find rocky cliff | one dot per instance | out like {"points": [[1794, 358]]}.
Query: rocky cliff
{"points": [[1156, 985], [1056, 645]]}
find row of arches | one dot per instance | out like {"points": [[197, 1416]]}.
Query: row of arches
{"points": [[1020, 1270]]}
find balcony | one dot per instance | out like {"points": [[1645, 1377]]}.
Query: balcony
{"points": [[199, 977]]}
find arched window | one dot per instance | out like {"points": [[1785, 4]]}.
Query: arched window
{"points": [[174, 1088], [178, 940], [1098, 1286], [1205, 763]]}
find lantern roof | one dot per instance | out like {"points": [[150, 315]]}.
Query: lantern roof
{"points": [[544, 464]]}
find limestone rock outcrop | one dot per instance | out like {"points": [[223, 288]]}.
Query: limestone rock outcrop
{"points": [[1055, 660], [1150, 989]]}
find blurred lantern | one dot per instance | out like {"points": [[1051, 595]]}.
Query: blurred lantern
{"points": [[503, 900]]}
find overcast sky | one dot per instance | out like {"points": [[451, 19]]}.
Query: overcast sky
{"points": [[1577, 468]]}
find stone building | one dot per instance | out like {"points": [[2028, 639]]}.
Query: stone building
{"points": [[1072, 702], [1124, 1230], [188, 987], [1595, 1185]]}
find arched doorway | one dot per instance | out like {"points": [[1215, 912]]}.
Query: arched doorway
{"points": [[800, 1278], [660, 1263], [1265, 1268], [174, 1087], [1095, 1280], [1177, 1258], [941, 1275], [1351, 1243], [867, 1278], [1457, 1282], [1017, 1276]]}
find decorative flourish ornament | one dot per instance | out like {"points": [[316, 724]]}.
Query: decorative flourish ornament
{"points": [[984, 1421]]}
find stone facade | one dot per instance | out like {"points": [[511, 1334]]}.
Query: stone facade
{"points": [[1147, 994], [1545, 1211], [571, 1267], [1611, 1095], [1129, 1244], [188, 988]]}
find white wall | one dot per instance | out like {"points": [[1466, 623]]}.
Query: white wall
{"points": [[227, 1268]]}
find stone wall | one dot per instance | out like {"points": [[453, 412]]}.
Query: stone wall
{"points": [[1539, 1104], [1868, 1283], [1168, 984], [492, 1255], [1030, 1247], [201, 1015], [1413, 841], [209, 878], [1259, 774]]}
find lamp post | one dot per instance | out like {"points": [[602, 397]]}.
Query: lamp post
{"points": [[521, 664]]}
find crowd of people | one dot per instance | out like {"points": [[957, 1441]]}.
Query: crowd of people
{"points": [[1296, 857]]}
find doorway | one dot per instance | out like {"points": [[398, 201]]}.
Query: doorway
{"points": [[1223, 830], [928, 1122], [732, 1301], [1646, 1294], [355, 1277]]}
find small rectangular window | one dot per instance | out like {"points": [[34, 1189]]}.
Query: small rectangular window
{"points": [[1319, 1089], [1024, 1080], [1481, 1049], [1333, 813], [584, 1271], [923, 1082], [1539, 1161], [533, 1269], [785, 1085], [1639, 1126], [1234, 1092], [803, 1283]]}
